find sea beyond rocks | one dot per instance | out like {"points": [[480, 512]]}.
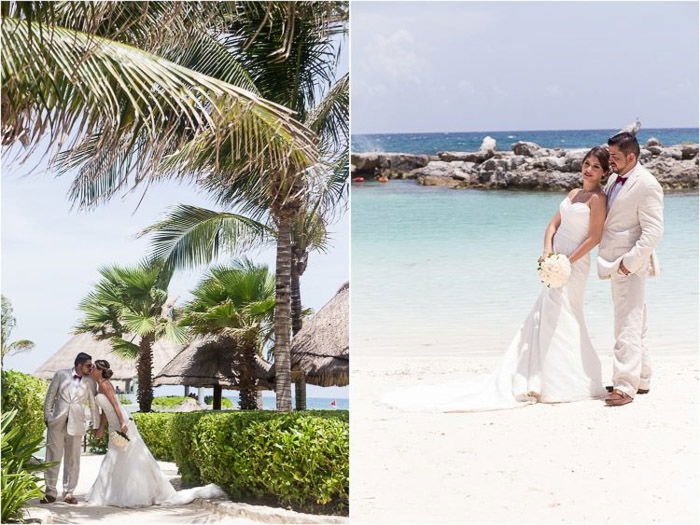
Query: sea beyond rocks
{"points": [[528, 166]]}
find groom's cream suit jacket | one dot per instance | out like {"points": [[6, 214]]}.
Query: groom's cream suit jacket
{"points": [[64, 406], [634, 225]]}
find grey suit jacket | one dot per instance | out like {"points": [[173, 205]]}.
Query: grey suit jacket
{"points": [[64, 407]]}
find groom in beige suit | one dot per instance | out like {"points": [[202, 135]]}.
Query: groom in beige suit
{"points": [[633, 227], [64, 415]]}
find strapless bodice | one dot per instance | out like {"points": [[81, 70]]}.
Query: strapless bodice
{"points": [[573, 230], [108, 410]]}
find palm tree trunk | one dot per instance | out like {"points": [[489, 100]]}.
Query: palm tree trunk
{"points": [[300, 391], [145, 374], [216, 402], [296, 294], [283, 374], [247, 394], [299, 258]]}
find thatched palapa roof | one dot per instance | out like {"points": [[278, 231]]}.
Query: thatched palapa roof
{"points": [[124, 369], [322, 347], [211, 361]]}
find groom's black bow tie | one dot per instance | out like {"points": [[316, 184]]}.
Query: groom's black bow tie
{"points": [[621, 180], [76, 376]]}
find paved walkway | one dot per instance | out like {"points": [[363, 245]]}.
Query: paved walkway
{"points": [[221, 511]]}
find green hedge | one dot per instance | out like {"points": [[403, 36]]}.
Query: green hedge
{"points": [[26, 394], [168, 401], [225, 401], [297, 459], [156, 431]]}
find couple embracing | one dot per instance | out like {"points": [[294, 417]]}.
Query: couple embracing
{"points": [[129, 476], [551, 358]]}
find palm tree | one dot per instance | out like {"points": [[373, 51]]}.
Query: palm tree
{"points": [[238, 302], [129, 307], [8, 324], [132, 116], [290, 66], [120, 86]]}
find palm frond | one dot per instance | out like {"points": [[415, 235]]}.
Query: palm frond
{"points": [[69, 86], [330, 119], [190, 236], [124, 348], [22, 345]]}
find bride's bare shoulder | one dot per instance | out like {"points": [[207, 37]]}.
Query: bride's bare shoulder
{"points": [[599, 198]]}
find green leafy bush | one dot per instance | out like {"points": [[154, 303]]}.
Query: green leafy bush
{"points": [[25, 394], [95, 445], [156, 431], [297, 459], [19, 482], [124, 400], [168, 401], [225, 402]]}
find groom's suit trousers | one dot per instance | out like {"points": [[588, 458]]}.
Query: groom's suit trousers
{"points": [[631, 367], [60, 444]]}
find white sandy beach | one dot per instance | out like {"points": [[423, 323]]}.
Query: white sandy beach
{"points": [[579, 462]]}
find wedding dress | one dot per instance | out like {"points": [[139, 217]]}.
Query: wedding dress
{"points": [[550, 359], [130, 476]]}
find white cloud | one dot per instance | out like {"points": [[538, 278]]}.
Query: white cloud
{"points": [[394, 56]]}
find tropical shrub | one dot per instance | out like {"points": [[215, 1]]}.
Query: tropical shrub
{"points": [[124, 400], [19, 482], [168, 401], [225, 401], [156, 431], [26, 395], [297, 459], [97, 445]]}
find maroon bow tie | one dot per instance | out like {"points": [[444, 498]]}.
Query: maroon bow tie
{"points": [[621, 180], [76, 376]]}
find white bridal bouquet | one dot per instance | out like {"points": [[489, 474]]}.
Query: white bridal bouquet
{"points": [[120, 439], [554, 270]]}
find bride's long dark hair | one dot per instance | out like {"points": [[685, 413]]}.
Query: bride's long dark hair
{"points": [[103, 366], [600, 153]]}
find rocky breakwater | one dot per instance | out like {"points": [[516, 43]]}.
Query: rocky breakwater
{"points": [[391, 165], [532, 167]]}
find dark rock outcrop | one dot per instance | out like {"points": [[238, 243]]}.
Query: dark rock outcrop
{"points": [[528, 166]]}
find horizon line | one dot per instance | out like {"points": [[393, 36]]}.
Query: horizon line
{"points": [[511, 130]]}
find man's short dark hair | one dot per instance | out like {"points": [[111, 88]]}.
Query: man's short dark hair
{"points": [[626, 142], [81, 358]]}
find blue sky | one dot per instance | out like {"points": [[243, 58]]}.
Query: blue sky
{"points": [[477, 66], [51, 254]]}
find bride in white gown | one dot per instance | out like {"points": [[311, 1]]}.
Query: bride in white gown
{"points": [[551, 358], [129, 475]]}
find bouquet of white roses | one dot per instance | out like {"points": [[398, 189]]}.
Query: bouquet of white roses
{"points": [[554, 270], [119, 438]]}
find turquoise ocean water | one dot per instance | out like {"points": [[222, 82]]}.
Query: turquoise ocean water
{"points": [[312, 403], [431, 143], [453, 272]]}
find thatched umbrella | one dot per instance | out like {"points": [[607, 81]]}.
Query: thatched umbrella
{"points": [[213, 361], [124, 369], [320, 351]]}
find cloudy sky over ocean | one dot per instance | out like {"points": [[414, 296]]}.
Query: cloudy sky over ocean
{"points": [[473, 66]]}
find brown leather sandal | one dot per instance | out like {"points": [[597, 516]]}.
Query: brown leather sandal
{"points": [[47, 499], [71, 500], [618, 398], [639, 391]]}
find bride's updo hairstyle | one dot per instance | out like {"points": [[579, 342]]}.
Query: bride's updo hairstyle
{"points": [[103, 366], [600, 153]]}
